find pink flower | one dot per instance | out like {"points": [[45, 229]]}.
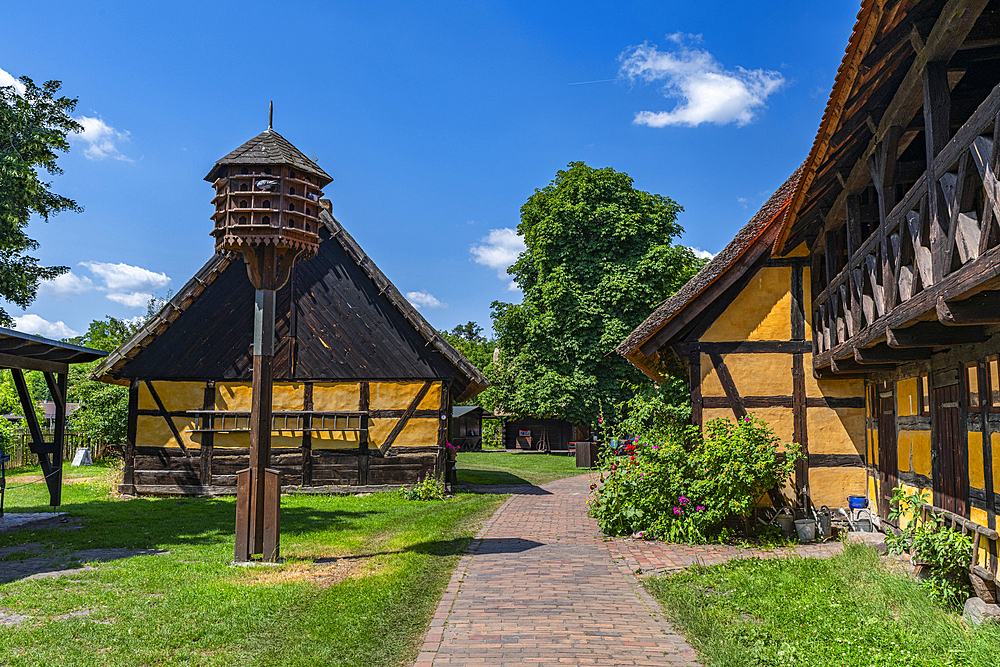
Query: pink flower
{"points": [[683, 500], [677, 510], [699, 508]]}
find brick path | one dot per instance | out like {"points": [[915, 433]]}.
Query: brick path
{"points": [[540, 586]]}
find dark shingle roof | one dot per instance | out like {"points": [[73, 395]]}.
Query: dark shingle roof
{"points": [[269, 147]]}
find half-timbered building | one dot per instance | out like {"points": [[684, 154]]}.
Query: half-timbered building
{"points": [[742, 328], [363, 385]]}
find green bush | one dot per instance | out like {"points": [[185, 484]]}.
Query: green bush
{"points": [[681, 486], [429, 488]]}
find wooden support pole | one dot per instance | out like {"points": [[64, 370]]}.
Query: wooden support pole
{"points": [[38, 445], [128, 476], [260, 413], [937, 109]]}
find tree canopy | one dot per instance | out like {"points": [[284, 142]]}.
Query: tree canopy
{"points": [[599, 258], [33, 127]]}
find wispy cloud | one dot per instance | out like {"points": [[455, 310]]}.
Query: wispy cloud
{"points": [[66, 285], [131, 286], [100, 139], [705, 91], [702, 254], [425, 299], [6, 79], [33, 324], [498, 250], [743, 201]]}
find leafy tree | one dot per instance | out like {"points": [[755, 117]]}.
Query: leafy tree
{"points": [[468, 339], [33, 127], [103, 415], [599, 258]]}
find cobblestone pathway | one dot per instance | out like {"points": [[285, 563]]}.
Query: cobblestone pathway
{"points": [[540, 586]]}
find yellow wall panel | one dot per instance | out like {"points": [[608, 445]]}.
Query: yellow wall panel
{"points": [[395, 395], [335, 397], [780, 419], [176, 396], [836, 430], [288, 396], [980, 517], [920, 442], [807, 300], [830, 388], [903, 451], [286, 439], [432, 400], [335, 439], [906, 397], [831, 486], [418, 432], [230, 440], [753, 374], [875, 450], [801, 250], [232, 396], [977, 478], [995, 442], [762, 311], [872, 493], [153, 431]]}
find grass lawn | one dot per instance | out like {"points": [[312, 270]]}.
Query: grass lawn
{"points": [[845, 611], [360, 582], [520, 468]]}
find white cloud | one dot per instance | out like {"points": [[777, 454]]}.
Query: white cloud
{"points": [[131, 299], [427, 299], [66, 285], [7, 79], [100, 139], [743, 201], [701, 254], [498, 250], [705, 90], [33, 324], [127, 278]]}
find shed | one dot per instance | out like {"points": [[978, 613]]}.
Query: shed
{"points": [[466, 431]]}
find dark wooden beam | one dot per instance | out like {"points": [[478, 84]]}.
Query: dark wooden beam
{"points": [[883, 354], [981, 309], [933, 334], [398, 428], [728, 385], [30, 364], [839, 366]]}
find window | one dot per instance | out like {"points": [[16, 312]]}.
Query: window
{"points": [[266, 220], [267, 170], [993, 382], [267, 203], [291, 207], [972, 377], [308, 228], [244, 171], [244, 187], [309, 211], [243, 203], [924, 389], [243, 220], [291, 191], [291, 174]]}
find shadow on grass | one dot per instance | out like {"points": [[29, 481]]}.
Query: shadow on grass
{"points": [[484, 477]]}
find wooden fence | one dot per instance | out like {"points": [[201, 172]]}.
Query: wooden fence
{"points": [[20, 450]]}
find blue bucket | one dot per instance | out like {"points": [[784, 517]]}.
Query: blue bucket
{"points": [[857, 502]]}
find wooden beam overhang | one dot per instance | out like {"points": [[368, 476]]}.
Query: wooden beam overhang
{"points": [[981, 309], [932, 334], [840, 366], [883, 354], [955, 21]]}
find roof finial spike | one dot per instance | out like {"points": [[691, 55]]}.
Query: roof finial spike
{"points": [[270, 116]]}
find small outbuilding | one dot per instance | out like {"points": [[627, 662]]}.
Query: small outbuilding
{"points": [[466, 430]]}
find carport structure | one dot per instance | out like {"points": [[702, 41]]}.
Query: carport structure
{"points": [[24, 352]]}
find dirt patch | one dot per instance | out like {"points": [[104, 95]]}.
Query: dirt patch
{"points": [[9, 619], [322, 575], [49, 567]]}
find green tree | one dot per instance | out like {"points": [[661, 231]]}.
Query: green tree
{"points": [[599, 258], [33, 127], [103, 415], [469, 340]]}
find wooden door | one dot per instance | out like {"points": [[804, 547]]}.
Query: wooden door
{"points": [[949, 449], [887, 457]]}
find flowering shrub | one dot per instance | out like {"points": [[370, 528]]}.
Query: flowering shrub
{"points": [[429, 488], [680, 485]]}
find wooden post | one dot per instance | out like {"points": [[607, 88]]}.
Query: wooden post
{"points": [[208, 437], [307, 405], [128, 478], [937, 109], [260, 412]]}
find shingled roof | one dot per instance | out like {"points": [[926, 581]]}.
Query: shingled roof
{"points": [[771, 212], [111, 368], [269, 147]]}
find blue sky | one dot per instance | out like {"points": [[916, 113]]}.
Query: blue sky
{"points": [[436, 120]]}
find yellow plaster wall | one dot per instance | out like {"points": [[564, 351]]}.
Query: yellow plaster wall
{"points": [[801, 250], [176, 396], [913, 452], [831, 486], [995, 442], [977, 476], [334, 397], [836, 431], [335, 439], [980, 517], [836, 388], [232, 396], [780, 419], [231, 440], [397, 395], [153, 431], [753, 374], [807, 300], [907, 403], [762, 311], [418, 432], [288, 396], [904, 520]]}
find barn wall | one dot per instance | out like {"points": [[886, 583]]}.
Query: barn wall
{"points": [[760, 378]]}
